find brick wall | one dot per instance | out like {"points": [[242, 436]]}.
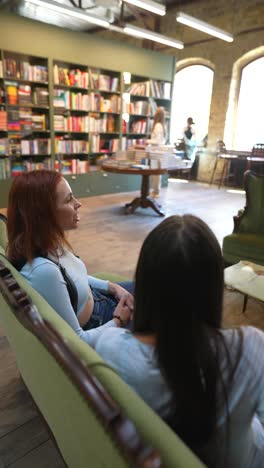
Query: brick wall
{"points": [[244, 19]]}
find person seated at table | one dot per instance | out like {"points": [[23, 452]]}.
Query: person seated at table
{"points": [[41, 209], [205, 381]]}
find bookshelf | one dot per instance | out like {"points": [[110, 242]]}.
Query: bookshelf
{"points": [[86, 108], [65, 115], [141, 97], [25, 142]]}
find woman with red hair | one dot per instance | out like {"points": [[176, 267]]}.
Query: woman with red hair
{"points": [[41, 209]]}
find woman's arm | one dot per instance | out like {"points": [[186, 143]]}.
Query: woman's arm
{"points": [[48, 281], [98, 283]]}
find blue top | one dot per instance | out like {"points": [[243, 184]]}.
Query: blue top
{"points": [[45, 276], [137, 365]]}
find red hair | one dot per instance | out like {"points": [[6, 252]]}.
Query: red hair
{"points": [[32, 225]]}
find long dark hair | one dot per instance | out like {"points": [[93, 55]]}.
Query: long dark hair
{"points": [[32, 225], [179, 299]]}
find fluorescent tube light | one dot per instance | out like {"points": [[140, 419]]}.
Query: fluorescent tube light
{"points": [[202, 26], [152, 36], [149, 5], [61, 8]]}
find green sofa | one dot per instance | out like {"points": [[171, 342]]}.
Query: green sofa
{"points": [[131, 435], [247, 240]]}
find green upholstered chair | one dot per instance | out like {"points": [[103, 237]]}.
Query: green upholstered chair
{"points": [[247, 240], [110, 426]]}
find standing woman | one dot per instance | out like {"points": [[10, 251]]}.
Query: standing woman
{"points": [[158, 137], [207, 382], [41, 209]]}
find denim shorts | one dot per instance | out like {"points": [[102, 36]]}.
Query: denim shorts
{"points": [[104, 306]]}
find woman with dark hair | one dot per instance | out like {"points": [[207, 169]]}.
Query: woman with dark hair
{"points": [[41, 208], [207, 382]]}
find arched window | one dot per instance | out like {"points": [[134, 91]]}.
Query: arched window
{"points": [[191, 98], [250, 112]]}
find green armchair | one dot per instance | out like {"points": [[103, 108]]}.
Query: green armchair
{"points": [[247, 240]]}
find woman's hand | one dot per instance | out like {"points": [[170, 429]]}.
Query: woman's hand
{"points": [[122, 313], [117, 291]]}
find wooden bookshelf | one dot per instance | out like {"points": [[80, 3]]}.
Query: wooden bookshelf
{"points": [[24, 89], [66, 115], [145, 95]]}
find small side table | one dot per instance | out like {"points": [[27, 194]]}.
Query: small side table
{"points": [[247, 278], [144, 200]]}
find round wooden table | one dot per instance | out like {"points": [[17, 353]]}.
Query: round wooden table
{"points": [[144, 200]]}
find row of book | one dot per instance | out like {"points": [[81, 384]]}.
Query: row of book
{"points": [[16, 147], [138, 126], [2, 96], [3, 146], [71, 146], [21, 69], [70, 77], [9, 168], [72, 166], [156, 89], [25, 121], [71, 124], [129, 142], [104, 82], [102, 145], [85, 124], [102, 104], [38, 146], [137, 107], [92, 78], [18, 94], [94, 145], [3, 120], [70, 100], [79, 101], [104, 124]]}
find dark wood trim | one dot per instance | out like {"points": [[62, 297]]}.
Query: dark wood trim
{"points": [[3, 218], [122, 430]]}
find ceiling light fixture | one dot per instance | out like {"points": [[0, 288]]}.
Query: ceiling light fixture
{"points": [[149, 5], [205, 27], [61, 8], [132, 30]]}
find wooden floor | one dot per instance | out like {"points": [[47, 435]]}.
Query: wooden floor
{"points": [[108, 240]]}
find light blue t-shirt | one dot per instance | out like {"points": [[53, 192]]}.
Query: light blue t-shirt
{"points": [[137, 365], [45, 276]]}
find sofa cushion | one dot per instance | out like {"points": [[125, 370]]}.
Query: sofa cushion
{"points": [[239, 246]]}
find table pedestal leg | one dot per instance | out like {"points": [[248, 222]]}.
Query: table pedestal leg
{"points": [[144, 201]]}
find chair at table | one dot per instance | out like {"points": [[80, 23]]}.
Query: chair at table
{"points": [[221, 154], [257, 156], [247, 240]]}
